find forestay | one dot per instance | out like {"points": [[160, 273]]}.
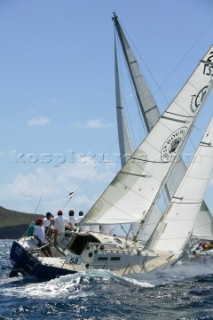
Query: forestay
{"points": [[175, 228], [134, 189]]}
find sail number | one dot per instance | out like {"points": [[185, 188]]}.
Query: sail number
{"points": [[208, 68]]}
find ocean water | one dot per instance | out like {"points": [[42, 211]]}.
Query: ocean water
{"points": [[184, 291]]}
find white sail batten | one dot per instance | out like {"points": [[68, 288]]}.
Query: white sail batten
{"points": [[134, 189], [175, 228], [126, 148]]}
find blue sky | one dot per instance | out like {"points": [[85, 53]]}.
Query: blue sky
{"points": [[58, 120]]}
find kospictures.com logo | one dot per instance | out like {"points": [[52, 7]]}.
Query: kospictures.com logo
{"points": [[56, 159]]}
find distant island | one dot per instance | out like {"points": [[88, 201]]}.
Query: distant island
{"points": [[13, 224]]}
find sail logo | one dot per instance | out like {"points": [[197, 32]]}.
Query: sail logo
{"points": [[198, 99], [172, 144]]}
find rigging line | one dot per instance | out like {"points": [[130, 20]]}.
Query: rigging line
{"points": [[68, 200], [131, 121], [202, 131], [162, 114], [125, 63], [89, 174], [39, 201], [176, 66], [170, 129], [179, 63], [121, 77]]}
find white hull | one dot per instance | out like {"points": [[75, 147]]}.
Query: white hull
{"points": [[82, 251]]}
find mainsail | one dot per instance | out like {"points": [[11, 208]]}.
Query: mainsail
{"points": [[203, 228], [135, 188], [174, 230]]}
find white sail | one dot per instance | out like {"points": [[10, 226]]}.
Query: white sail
{"points": [[133, 191], [204, 223], [126, 148], [203, 228], [175, 228], [148, 225], [146, 102]]}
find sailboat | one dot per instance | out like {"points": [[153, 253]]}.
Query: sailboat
{"points": [[130, 198], [203, 228]]}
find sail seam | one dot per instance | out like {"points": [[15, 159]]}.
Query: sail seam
{"points": [[179, 115], [187, 202], [176, 120], [137, 175], [206, 144], [151, 161], [131, 62], [150, 109]]}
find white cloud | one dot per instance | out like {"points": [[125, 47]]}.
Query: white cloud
{"points": [[92, 124], [53, 184], [40, 121]]}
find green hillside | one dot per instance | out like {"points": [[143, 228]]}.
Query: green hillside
{"points": [[13, 224]]}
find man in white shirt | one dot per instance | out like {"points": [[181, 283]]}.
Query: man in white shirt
{"points": [[40, 237], [47, 223], [59, 226]]}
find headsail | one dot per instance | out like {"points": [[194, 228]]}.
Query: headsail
{"points": [[203, 228], [175, 228], [131, 194]]}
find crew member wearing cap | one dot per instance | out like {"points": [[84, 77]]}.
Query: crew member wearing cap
{"points": [[59, 226], [40, 237], [47, 222]]}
